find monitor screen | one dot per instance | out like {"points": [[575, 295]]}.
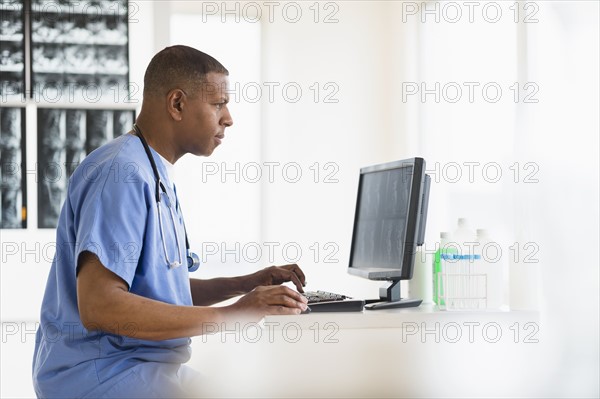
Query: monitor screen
{"points": [[387, 223]]}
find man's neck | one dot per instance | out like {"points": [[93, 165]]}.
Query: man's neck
{"points": [[157, 137]]}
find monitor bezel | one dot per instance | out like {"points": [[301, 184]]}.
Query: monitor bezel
{"points": [[405, 270]]}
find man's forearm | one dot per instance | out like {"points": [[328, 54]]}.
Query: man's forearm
{"points": [[211, 291], [138, 317], [105, 303]]}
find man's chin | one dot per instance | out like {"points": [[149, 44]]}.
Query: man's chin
{"points": [[204, 152]]}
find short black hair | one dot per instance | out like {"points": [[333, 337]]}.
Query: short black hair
{"points": [[179, 67]]}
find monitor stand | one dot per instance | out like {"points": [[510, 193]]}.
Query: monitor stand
{"points": [[390, 298]]}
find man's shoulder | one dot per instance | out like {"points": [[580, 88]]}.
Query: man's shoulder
{"points": [[122, 159], [119, 148]]}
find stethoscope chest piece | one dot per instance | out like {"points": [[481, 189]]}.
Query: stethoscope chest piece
{"points": [[193, 261]]}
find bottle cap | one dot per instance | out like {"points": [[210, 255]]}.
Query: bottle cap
{"points": [[459, 257]]}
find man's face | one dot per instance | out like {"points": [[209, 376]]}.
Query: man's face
{"points": [[205, 116]]}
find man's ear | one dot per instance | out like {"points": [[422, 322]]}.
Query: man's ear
{"points": [[175, 104]]}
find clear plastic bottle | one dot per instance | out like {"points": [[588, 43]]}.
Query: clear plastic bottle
{"points": [[461, 270], [461, 288]]}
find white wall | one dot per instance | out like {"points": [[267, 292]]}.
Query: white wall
{"points": [[561, 212]]}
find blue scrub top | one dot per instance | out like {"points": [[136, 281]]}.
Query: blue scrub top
{"points": [[111, 210]]}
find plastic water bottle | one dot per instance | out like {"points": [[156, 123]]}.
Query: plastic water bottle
{"points": [[444, 248]]}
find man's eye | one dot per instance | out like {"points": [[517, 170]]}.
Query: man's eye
{"points": [[220, 105]]}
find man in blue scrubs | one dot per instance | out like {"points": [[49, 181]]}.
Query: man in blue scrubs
{"points": [[119, 309]]}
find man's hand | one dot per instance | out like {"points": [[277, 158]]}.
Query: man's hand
{"points": [[276, 275], [264, 301]]}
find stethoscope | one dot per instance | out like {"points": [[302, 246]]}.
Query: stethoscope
{"points": [[193, 261]]}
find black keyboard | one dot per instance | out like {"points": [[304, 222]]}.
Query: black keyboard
{"points": [[323, 296], [323, 301]]}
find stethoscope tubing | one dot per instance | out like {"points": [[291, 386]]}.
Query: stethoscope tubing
{"points": [[192, 259]]}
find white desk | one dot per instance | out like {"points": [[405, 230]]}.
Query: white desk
{"points": [[418, 352]]}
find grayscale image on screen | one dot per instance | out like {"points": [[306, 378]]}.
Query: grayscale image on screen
{"points": [[381, 219]]}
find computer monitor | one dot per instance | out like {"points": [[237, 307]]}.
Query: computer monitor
{"points": [[389, 224]]}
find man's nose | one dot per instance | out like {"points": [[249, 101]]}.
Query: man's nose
{"points": [[227, 120]]}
